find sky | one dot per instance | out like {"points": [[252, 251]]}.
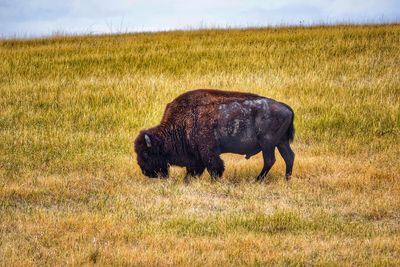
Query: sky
{"points": [[31, 18]]}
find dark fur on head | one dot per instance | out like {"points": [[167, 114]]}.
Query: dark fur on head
{"points": [[150, 156]]}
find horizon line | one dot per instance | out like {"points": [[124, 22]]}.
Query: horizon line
{"points": [[201, 27]]}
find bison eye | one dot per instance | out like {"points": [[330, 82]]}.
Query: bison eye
{"points": [[145, 154]]}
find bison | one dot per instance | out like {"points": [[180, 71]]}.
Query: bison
{"points": [[200, 125]]}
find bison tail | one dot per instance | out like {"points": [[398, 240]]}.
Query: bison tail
{"points": [[290, 130]]}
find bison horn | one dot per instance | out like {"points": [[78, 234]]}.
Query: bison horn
{"points": [[148, 141]]}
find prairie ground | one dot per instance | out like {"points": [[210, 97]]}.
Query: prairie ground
{"points": [[71, 192]]}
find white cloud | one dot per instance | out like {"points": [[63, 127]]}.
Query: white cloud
{"points": [[36, 17]]}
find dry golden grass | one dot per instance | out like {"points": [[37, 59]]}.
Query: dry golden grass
{"points": [[72, 194]]}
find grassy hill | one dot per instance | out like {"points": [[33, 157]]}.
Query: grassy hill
{"points": [[71, 192]]}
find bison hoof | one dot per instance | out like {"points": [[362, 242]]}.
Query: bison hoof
{"points": [[260, 179], [214, 179]]}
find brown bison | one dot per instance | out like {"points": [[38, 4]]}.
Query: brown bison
{"points": [[200, 125]]}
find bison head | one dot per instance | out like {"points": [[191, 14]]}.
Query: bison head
{"points": [[150, 158]]}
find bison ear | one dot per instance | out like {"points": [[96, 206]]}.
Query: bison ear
{"points": [[148, 141]]}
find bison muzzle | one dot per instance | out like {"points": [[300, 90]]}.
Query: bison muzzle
{"points": [[200, 125]]}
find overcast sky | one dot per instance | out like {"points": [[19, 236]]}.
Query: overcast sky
{"points": [[26, 18]]}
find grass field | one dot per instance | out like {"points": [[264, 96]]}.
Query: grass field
{"points": [[71, 192]]}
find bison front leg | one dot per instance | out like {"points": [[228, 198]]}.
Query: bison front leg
{"points": [[215, 167], [213, 163], [194, 171]]}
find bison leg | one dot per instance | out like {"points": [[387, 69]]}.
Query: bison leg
{"points": [[288, 155], [194, 170], [269, 160], [216, 168], [213, 163]]}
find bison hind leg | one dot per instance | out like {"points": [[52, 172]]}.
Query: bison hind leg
{"points": [[269, 161], [288, 156]]}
